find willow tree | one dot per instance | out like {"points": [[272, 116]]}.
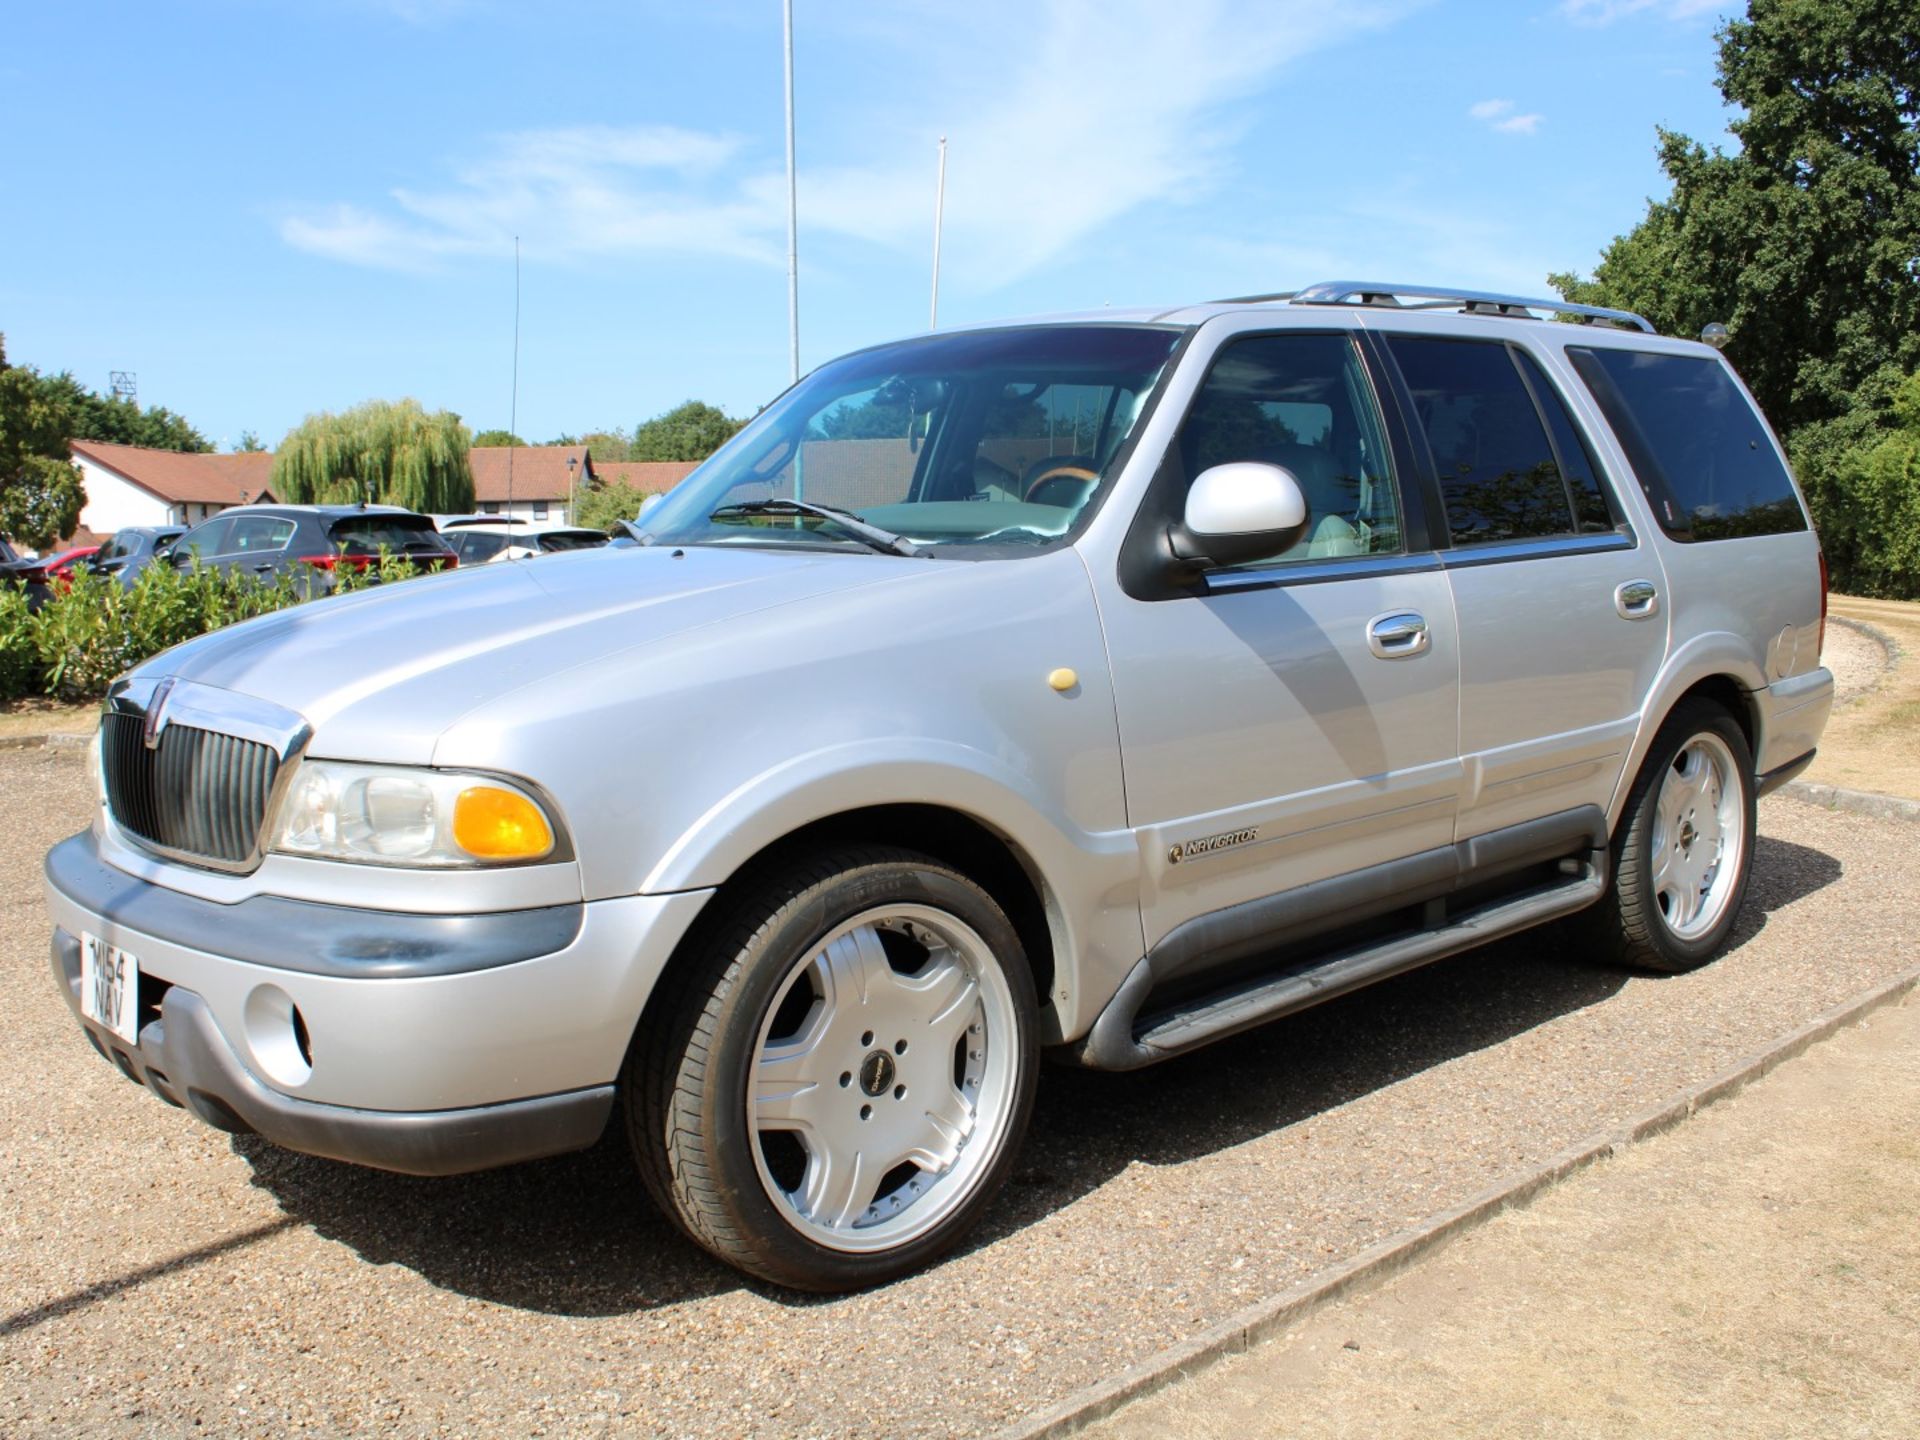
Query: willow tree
{"points": [[384, 452]]}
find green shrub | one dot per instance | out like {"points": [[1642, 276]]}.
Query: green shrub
{"points": [[95, 630]]}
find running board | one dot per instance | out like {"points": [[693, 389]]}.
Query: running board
{"points": [[1115, 1044]]}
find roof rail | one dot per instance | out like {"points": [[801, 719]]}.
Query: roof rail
{"points": [[1371, 292]]}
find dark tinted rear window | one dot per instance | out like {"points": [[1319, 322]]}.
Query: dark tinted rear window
{"points": [[367, 534], [572, 540], [1590, 505], [1498, 476], [1703, 454]]}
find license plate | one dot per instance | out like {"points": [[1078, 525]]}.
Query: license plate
{"points": [[110, 987]]}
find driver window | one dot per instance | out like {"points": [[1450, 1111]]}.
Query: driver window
{"points": [[1302, 402]]}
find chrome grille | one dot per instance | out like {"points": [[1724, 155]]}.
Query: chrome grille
{"points": [[198, 793]]}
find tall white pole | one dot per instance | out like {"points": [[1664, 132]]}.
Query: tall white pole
{"points": [[793, 208], [939, 208]]}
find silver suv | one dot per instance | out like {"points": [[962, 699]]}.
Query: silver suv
{"points": [[1106, 686]]}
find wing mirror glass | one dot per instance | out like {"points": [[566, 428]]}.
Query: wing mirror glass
{"points": [[1240, 512]]}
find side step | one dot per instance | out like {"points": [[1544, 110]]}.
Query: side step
{"points": [[1114, 1044]]}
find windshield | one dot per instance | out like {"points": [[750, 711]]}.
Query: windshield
{"points": [[957, 442]]}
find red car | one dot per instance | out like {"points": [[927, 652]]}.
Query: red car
{"points": [[57, 571]]}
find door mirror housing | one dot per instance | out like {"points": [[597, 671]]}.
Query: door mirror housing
{"points": [[1239, 512]]}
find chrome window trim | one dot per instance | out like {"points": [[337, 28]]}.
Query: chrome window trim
{"points": [[1320, 572], [1500, 552]]}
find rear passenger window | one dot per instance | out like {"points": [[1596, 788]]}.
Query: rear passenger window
{"points": [[1498, 476], [1701, 451], [1570, 448]]}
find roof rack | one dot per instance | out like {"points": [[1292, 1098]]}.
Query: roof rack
{"points": [[1473, 302]]}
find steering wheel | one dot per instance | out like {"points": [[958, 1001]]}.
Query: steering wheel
{"points": [[1071, 477]]}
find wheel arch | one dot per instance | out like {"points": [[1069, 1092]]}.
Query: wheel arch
{"points": [[1719, 668]]}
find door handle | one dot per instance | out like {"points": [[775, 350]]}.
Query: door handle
{"points": [[1399, 636], [263, 567], [1636, 600]]}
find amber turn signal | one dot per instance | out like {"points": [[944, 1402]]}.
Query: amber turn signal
{"points": [[494, 824]]}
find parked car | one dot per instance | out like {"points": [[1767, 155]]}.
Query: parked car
{"points": [[26, 571], [1130, 681], [480, 539], [57, 570], [132, 549], [310, 542]]}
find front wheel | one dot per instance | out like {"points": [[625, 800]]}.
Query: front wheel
{"points": [[1685, 847], [845, 1073]]}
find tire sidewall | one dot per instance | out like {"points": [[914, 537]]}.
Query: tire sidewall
{"points": [[1679, 953], [760, 973]]}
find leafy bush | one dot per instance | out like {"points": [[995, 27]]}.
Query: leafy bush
{"points": [[97, 629], [604, 506]]}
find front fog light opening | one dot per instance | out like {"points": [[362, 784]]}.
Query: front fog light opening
{"points": [[277, 1035]]}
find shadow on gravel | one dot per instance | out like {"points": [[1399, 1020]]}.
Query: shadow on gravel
{"points": [[578, 1236]]}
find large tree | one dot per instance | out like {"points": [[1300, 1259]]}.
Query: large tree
{"points": [[1805, 241], [390, 452], [690, 431], [40, 493], [496, 440], [119, 420]]}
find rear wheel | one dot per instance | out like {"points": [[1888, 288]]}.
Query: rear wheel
{"points": [[1685, 847], [844, 1075]]}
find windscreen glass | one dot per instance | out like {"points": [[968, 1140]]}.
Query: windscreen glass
{"points": [[997, 438]]}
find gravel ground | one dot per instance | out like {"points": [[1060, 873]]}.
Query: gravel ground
{"points": [[1858, 662], [1753, 1273], [157, 1277]]}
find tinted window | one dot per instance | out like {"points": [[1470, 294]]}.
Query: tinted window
{"points": [[1570, 448], [254, 533], [1703, 454], [1498, 476], [1302, 402], [368, 534], [207, 538], [474, 546], [572, 540]]}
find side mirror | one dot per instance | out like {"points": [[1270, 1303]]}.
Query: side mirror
{"points": [[1236, 513]]}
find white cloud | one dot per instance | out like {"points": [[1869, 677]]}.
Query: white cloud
{"points": [[1605, 12], [1500, 115], [1099, 109]]}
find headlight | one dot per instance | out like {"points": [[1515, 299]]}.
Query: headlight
{"points": [[389, 815]]}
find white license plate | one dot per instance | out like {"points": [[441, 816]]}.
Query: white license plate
{"points": [[110, 987]]}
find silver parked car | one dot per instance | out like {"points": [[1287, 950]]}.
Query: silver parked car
{"points": [[1103, 685]]}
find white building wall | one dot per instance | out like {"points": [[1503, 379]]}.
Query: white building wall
{"points": [[113, 503], [550, 512]]}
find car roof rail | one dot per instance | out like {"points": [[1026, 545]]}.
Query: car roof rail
{"points": [[1471, 302]]}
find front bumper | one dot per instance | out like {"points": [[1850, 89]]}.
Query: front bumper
{"points": [[428, 1043]]}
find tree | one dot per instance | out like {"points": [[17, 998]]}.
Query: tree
{"points": [[40, 492], [249, 443], [392, 452], [690, 431], [496, 439], [119, 421], [1875, 516], [1806, 241], [604, 506], [608, 444]]}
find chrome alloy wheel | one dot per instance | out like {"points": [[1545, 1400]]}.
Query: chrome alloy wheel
{"points": [[1699, 836], [883, 1080]]}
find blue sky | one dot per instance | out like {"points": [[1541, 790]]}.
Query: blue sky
{"points": [[266, 208]]}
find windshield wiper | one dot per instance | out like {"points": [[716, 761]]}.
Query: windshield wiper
{"points": [[871, 535]]}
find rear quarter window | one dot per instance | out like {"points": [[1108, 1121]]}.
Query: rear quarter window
{"points": [[1702, 452]]}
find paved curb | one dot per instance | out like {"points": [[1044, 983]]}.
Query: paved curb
{"points": [[55, 741], [1860, 802], [1398, 1252]]}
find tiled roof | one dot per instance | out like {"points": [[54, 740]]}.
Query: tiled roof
{"points": [[184, 479], [539, 472], [650, 477]]}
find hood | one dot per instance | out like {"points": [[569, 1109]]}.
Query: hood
{"points": [[380, 673]]}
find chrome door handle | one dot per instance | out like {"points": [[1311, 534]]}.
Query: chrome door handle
{"points": [[1636, 600], [1397, 637]]}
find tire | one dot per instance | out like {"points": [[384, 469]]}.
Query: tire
{"points": [[841, 1076], [1684, 849]]}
